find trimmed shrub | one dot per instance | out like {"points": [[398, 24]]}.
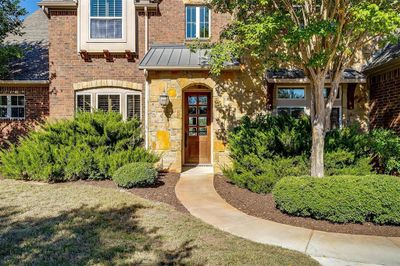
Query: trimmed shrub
{"points": [[268, 136], [341, 199], [342, 162], [93, 145], [260, 175], [135, 175]]}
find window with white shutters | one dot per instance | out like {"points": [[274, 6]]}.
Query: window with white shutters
{"points": [[106, 19], [133, 106], [84, 102], [109, 103]]}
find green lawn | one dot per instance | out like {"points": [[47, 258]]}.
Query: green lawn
{"points": [[78, 224]]}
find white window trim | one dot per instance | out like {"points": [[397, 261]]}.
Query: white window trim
{"points": [[123, 93], [140, 103], [9, 106], [84, 93], [95, 40], [291, 87], [198, 24]]}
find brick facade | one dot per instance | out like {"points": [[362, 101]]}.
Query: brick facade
{"points": [[36, 111], [385, 99], [68, 68]]}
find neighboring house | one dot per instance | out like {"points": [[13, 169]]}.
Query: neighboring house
{"points": [[24, 96], [384, 83], [132, 56]]}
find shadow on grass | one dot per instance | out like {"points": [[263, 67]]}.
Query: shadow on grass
{"points": [[85, 236]]}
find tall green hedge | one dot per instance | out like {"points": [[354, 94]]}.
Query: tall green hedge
{"points": [[341, 199], [93, 145]]}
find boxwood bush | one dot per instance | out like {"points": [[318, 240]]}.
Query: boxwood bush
{"points": [[135, 175], [93, 145], [342, 199]]}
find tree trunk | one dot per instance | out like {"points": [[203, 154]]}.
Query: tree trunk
{"points": [[317, 151], [318, 122]]}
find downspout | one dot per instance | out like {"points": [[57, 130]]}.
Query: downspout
{"points": [[147, 85]]}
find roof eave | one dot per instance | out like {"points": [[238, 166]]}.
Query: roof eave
{"points": [[173, 68], [51, 4], [307, 81], [383, 67], [23, 82]]}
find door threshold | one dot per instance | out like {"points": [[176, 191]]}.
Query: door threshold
{"points": [[197, 165]]}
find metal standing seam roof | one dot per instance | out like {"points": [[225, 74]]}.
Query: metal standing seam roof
{"points": [[177, 57]]}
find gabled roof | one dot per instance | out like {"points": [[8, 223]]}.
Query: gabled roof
{"points": [[34, 65], [177, 57], [389, 54], [297, 75]]}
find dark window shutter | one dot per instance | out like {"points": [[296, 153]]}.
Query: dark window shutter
{"points": [[351, 90]]}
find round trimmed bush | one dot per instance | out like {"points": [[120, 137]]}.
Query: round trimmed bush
{"points": [[357, 199], [135, 175]]}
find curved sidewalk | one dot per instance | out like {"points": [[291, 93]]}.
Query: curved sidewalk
{"points": [[196, 192]]}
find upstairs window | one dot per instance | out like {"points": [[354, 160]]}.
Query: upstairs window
{"points": [[197, 22], [12, 106], [106, 19]]}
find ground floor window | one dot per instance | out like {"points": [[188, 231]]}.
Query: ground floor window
{"points": [[123, 101], [12, 106], [292, 111]]}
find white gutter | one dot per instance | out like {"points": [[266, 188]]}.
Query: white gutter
{"points": [[146, 85]]}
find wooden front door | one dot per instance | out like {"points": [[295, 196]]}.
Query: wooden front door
{"points": [[197, 115]]}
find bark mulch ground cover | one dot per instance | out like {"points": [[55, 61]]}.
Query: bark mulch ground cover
{"points": [[162, 191], [263, 206]]}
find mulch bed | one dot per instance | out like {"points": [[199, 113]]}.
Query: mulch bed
{"points": [[263, 206], [162, 191]]}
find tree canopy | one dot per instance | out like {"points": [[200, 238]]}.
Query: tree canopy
{"points": [[11, 14], [321, 37]]}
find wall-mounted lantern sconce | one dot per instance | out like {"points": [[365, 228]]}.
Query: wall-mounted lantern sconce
{"points": [[163, 99]]}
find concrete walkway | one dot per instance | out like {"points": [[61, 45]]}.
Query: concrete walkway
{"points": [[195, 190]]}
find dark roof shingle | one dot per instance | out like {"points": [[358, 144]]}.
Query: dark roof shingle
{"points": [[384, 56], [349, 74], [34, 65]]}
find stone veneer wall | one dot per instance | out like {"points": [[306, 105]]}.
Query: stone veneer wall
{"points": [[36, 111], [234, 94]]}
